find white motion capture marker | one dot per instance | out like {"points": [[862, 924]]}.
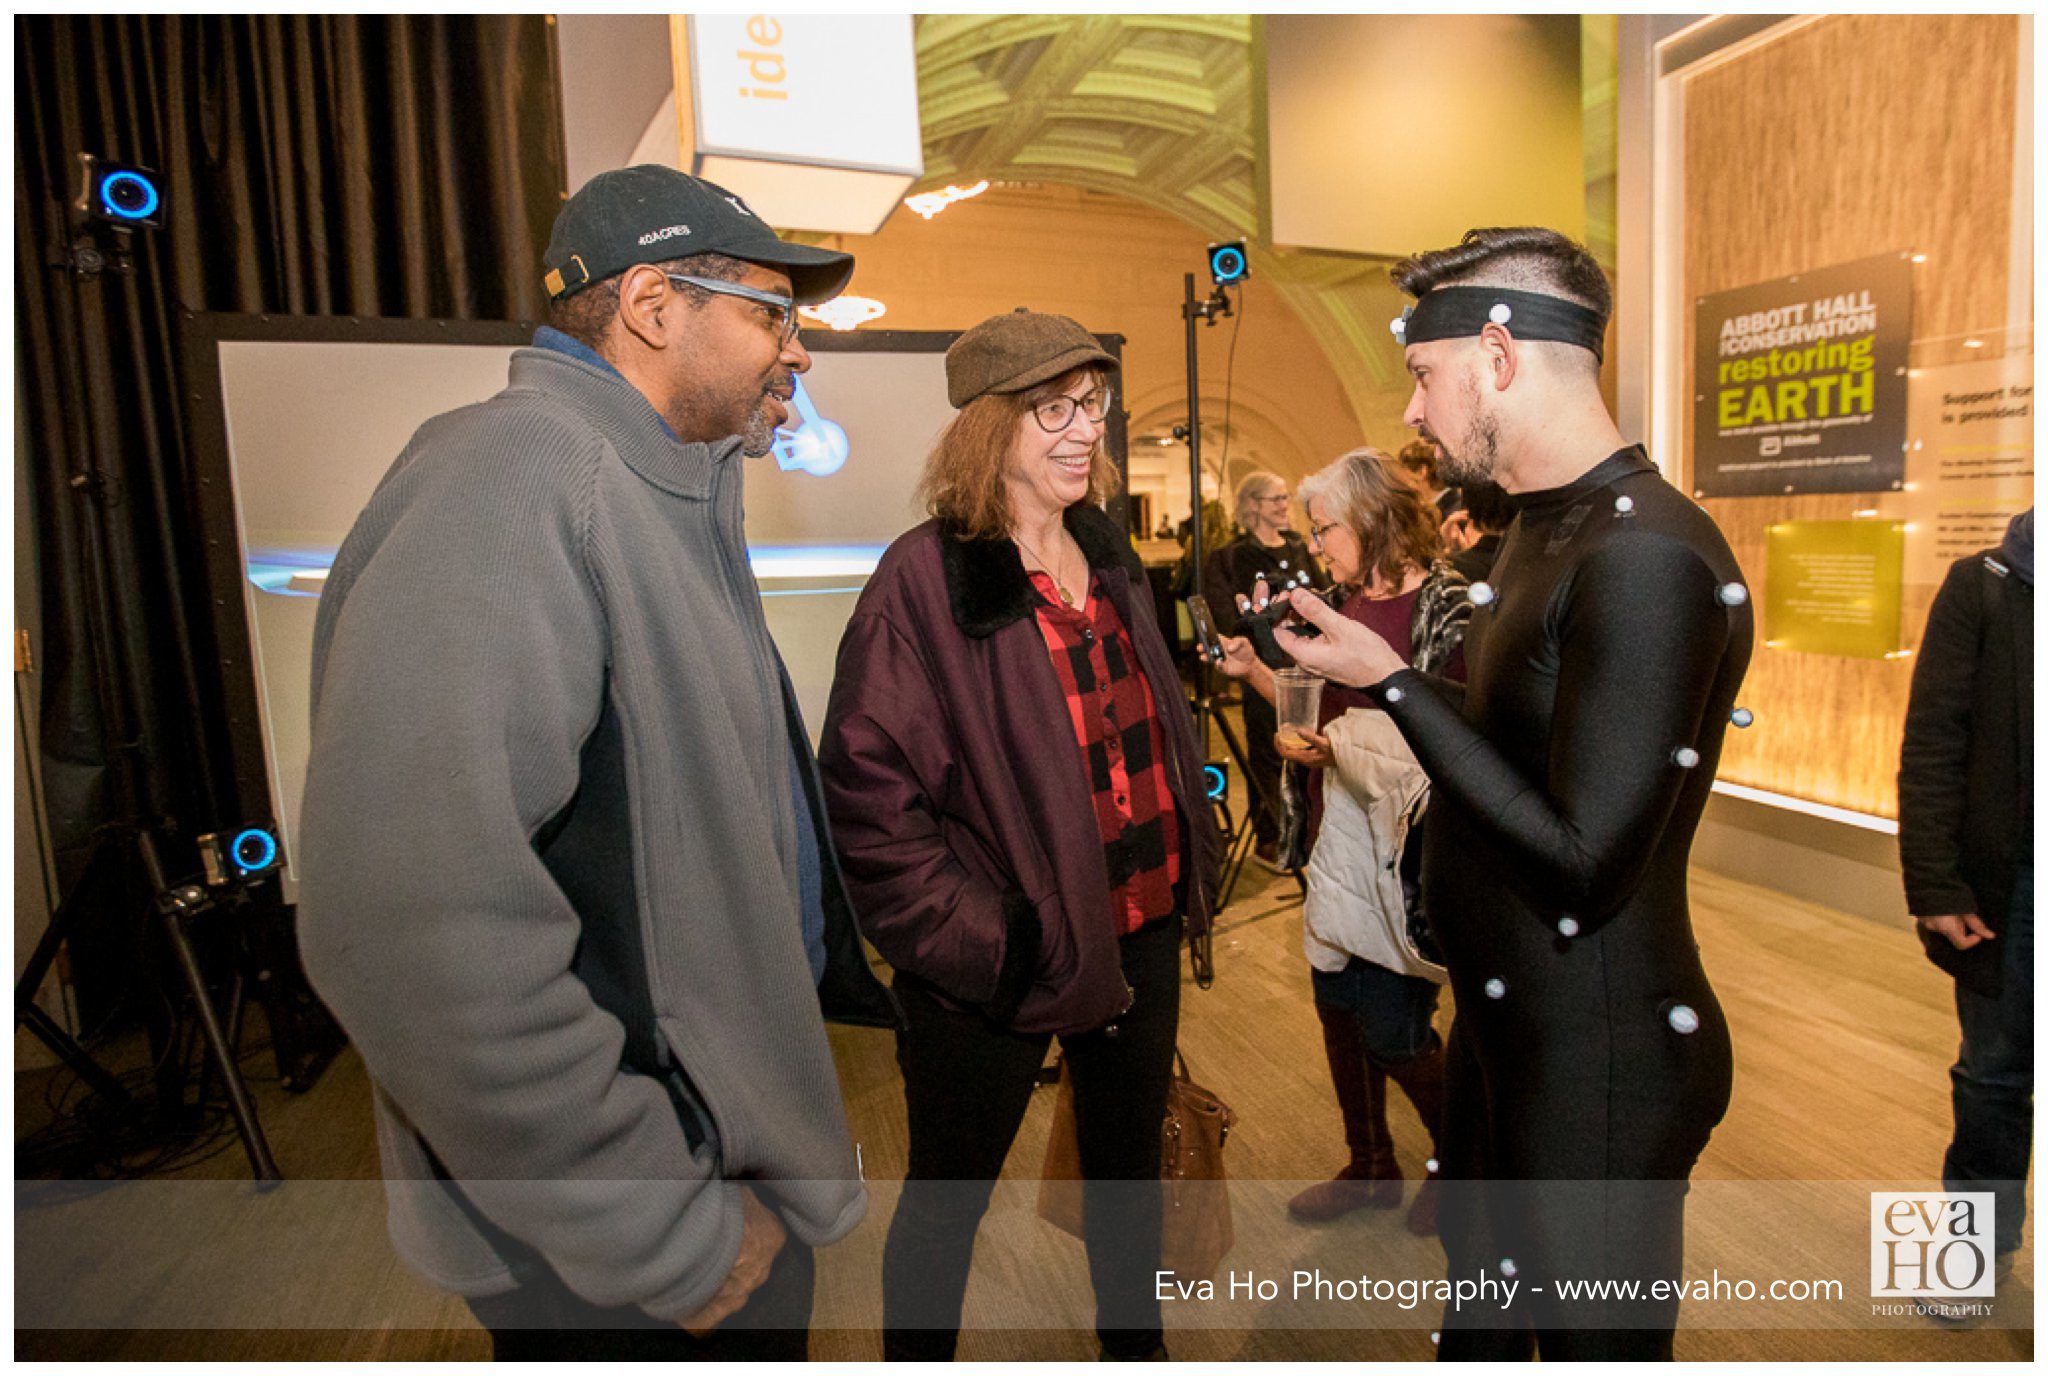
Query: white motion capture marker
{"points": [[1481, 593], [1496, 988], [1731, 594], [1567, 926], [1742, 716], [1430, 1165], [1683, 1020], [1685, 757], [1436, 1338], [1399, 326], [1395, 695], [1500, 314], [1507, 1266], [1625, 505]]}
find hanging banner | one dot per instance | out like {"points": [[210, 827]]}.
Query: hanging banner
{"points": [[811, 119], [1800, 384]]}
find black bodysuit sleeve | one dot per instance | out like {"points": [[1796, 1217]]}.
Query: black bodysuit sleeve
{"points": [[1639, 637]]}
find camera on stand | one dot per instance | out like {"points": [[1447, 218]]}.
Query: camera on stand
{"points": [[121, 195], [1227, 264]]}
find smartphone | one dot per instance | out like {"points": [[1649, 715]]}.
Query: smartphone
{"points": [[1205, 628]]}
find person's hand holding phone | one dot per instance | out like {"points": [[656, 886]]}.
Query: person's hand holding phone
{"points": [[1346, 651], [1238, 660]]}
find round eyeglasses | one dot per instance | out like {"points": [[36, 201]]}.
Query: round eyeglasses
{"points": [[1056, 413]]}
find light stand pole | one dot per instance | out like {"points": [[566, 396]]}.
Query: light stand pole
{"points": [[1207, 310]]}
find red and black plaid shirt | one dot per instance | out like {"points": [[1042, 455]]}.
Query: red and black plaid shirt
{"points": [[1116, 723]]}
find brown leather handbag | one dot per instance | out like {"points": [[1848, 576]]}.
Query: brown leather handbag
{"points": [[1195, 1228]]}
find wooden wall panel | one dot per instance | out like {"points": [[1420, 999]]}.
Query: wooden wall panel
{"points": [[1845, 138]]}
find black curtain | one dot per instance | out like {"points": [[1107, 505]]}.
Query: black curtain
{"points": [[312, 165]]}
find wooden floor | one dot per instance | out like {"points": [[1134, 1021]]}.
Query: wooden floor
{"points": [[1843, 1035]]}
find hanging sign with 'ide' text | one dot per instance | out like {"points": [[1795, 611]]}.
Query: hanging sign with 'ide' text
{"points": [[810, 118], [1799, 385]]}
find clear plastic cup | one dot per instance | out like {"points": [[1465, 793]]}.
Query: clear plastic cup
{"points": [[1298, 696]]}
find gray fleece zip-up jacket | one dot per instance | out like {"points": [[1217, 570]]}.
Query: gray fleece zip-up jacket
{"points": [[549, 862]]}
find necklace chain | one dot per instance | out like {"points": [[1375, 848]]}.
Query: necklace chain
{"points": [[1051, 572]]}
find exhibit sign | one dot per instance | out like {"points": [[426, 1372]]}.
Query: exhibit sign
{"points": [[1970, 468], [1834, 587], [810, 119], [1800, 383]]}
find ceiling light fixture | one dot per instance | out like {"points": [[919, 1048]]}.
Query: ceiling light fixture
{"points": [[845, 312], [930, 203]]}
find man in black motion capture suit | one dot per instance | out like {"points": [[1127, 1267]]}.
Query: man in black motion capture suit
{"points": [[1590, 1060]]}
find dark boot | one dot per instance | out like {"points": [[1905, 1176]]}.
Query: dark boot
{"points": [[1371, 1178], [1422, 1079]]}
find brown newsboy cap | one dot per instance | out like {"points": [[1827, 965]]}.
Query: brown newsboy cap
{"points": [[1009, 353]]}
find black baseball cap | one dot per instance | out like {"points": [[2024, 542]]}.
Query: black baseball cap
{"points": [[652, 214]]}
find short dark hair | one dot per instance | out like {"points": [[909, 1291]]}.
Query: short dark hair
{"points": [[587, 316], [1528, 258], [1488, 505]]}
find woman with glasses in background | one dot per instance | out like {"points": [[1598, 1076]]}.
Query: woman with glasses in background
{"points": [[1016, 797], [1264, 548], [1376, 984]]}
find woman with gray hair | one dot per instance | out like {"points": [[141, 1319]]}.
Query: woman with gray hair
{"points": [[1376, 994], [1264, 548]]}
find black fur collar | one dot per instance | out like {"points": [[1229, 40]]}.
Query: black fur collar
{"points": [[986, 584]]}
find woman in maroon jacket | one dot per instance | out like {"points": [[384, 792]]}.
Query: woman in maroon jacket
{"points": [[1015, 794]]}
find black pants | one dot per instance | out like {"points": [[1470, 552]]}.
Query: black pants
{"points": [[1262, 796], [1630, 1227], [545, 1321], [967, 1084], [1993, 1078]]}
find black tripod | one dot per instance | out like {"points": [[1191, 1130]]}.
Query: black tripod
{"points": [[175, 905], [132, 837], [1240, 833]]}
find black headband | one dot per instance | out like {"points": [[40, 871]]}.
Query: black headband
{"points": [[1459, 312]]}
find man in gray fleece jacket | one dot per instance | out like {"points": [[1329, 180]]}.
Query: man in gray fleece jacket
{"points": [[566, 880]]}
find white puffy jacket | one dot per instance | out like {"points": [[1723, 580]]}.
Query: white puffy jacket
{"points": [[1372, 794]]}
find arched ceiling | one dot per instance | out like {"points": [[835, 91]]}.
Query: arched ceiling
{"points": [[1159, 109]]}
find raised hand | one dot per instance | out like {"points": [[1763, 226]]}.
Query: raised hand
{"points": [[1346, 652]]}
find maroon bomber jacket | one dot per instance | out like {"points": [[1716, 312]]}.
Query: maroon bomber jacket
{"points": [[960, 808]]}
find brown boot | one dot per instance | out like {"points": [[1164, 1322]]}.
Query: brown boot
{"points": [[1422, 1079], [1370, 1179]]}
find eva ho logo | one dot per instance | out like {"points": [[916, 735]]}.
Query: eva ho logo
{"points": [[1930, 1244]]}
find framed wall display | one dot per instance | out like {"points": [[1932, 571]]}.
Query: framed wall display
{"points": [[1800, 383], [1789, 147]]}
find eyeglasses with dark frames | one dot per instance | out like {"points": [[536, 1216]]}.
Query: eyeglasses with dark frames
{"points": [[1057, 413], [781, 309]]}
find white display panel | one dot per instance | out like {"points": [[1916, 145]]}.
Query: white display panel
{"points": [[312, 428]]}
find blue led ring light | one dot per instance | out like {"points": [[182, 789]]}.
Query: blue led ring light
{"points": [[258, 840], [1218, 782], [1227, 264], [150, 198]]}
